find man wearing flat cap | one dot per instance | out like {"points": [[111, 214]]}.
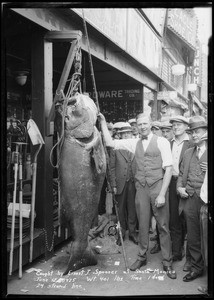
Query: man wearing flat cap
{"points": [[166, 128], [191, 177], [156, 128], [179, 144]]}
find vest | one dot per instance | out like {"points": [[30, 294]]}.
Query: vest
{"points": [[195, 176], [148, 164]]}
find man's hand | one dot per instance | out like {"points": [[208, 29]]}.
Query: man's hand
{"points": [[182, 192], [160, 201], [203, 166], [100, 117], [107, 137]]}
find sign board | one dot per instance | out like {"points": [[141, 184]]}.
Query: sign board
{"points": [[183, 24], [118, 93], [196, 69]]}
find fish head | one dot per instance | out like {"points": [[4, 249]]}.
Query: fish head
{"points": [[80, 115]]}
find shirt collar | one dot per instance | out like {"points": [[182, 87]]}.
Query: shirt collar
{"points": [[150, 135], [202, 148], [186, 138]]}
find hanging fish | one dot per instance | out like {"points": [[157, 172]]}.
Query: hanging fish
{"points": [[82, 167]]}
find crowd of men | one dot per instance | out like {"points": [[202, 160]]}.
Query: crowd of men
{"points": [[159, 170]]}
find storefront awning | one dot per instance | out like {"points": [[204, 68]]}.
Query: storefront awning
{"points": [[172, 99]]}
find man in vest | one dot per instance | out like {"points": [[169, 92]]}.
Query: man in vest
{"points": [[123, 185], [189, 183], [153, 171]]}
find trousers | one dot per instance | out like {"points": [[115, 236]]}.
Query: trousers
{"points": [[192, 212], [176, 221], [204, 232], [145, 203], [126, 208]]}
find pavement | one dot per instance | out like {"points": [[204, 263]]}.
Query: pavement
{"points": [[108, 278]]}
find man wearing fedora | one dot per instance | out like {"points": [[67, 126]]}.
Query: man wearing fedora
{"points": [[177, 225], [189, 183], [153, 167], [124, 186]]}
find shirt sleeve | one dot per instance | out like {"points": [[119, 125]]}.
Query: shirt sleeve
{"points": [[166, 153], [126, 144]]}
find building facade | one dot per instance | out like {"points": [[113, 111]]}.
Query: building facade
{"points": [[132, 52]]}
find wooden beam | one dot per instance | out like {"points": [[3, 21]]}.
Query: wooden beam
{"points": [[42, 98], [63, 36], [61, 86]]}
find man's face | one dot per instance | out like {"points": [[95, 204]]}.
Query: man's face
{"points": [[156, 131], [167, 133], [126, 135], [179, 128], [144, 126], [197, 135], [134, 128]]}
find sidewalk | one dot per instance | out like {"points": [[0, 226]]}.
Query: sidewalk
{"points": [[107, 278]]}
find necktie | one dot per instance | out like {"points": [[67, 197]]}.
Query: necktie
{"points": [[198, 152], [144, 137]]}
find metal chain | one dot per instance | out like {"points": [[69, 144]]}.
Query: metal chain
{"points": [[46, 240]]}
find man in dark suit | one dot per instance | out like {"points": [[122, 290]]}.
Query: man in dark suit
{"points": [[124, 186], [179, 144], [189, 183]]}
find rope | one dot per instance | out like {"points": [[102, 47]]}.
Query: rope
{"points": [[60, 141], [90, 61], [74, 84]]}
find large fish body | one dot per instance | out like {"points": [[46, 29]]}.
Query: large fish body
{"points": [[82, 167]]}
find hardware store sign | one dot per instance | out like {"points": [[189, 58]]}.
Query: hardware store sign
{"points": [[118, 94]]}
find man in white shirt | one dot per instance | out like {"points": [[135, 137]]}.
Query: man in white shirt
{"points": [[153, 170]]}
